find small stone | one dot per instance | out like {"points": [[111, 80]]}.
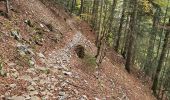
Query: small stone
{"points": [[16, 35], [32, 63], [62, 96], [12, 85], [11, 64], [30, 51], [42, 82], [33, 83], [40, 55], [83, 97], [42, 25], [41, 68], [36, 78], [35, 98], [61, 93], [30, 88], [15, 74], [26, 77], [67, 73], [18, 98], [31, 70], [33, 92], [3, 73], [28, 22], [27, 97], [96, 98]]}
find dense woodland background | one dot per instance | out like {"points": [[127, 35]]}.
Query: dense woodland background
{"points": [[139, 30]]}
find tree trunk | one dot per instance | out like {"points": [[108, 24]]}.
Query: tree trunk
{"points": [[126, 39], [81, 8], [73, 5], [120, 26], [132, 35], [161, 60], [95, 14], [150, 50], [111, 17], [162, 32]]}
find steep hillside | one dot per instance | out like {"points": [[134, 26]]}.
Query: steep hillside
{"points": [[38, 58]]}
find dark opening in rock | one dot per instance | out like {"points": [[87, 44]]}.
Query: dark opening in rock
{"points": [[3, 9], [80, 51]]}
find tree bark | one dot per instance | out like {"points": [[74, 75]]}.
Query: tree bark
{"points": [[120, 26], [150, 50], [132, 35], [161, 60], [81, 7]]}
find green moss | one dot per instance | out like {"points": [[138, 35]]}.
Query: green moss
{"points": [[89, 63]]}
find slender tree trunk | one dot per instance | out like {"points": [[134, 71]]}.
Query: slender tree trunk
{"points": [[162, 32], [111, 17], [161, 60], [162, 78], [120, 26], [81, 8], [150, 50], [132, 35], [95, 13], [126, 39], [99, 28], [73, 5]]}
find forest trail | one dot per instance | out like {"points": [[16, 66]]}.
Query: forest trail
{"points": [[43, 65]]}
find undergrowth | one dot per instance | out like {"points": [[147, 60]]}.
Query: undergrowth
{"points": [[89, 63]]}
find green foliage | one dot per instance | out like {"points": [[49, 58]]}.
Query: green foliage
{"points": [[162, 3], [146, 5], [90, 60]]}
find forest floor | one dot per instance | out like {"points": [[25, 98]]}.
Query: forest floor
{"points": [[38, 59]]}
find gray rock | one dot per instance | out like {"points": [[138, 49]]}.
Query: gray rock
{"points": [[42, 82], [41, 55], [11, 64], [42, 25], [96, 98], [27, 97], [3, 73], [36, 78], [15, 74], [35, 98], [12, 85], [24, 49], [31, 70], [33, 83], [83, 97], [41, 68], [16, 35], [26, 77], [33, 92], [32, 63], [30, 88], [18, 98], [67, 73], [28, 22], [62, 96]]}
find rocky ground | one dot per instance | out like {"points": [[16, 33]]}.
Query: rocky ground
{"points": [[38, 59]]}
